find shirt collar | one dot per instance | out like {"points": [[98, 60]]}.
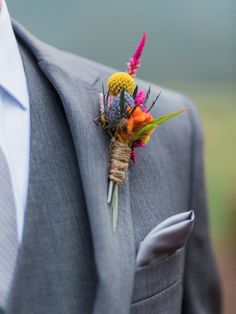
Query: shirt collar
{"points": [[12, 75]]}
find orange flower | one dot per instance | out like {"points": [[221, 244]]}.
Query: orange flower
{"points": [[130, 126], [138, 119]]}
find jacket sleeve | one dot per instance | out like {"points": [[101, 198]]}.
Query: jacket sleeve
{"points": [[202, 293]]}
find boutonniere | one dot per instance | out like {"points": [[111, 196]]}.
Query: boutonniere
{"points": [[125, 116]]}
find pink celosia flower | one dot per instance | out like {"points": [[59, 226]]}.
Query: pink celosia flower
{"points": [[140, 97], [110, 99], [137, 144], [101, 102], [134, 62], [133, 155]]}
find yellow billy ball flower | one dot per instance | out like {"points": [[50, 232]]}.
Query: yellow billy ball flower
{"points": [[120, 80]]}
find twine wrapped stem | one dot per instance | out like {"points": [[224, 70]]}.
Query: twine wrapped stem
{"points": [[120, 154]]}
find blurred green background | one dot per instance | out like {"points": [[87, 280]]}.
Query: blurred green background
{"points": [[191, 48]]}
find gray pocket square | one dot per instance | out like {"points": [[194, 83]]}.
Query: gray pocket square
{"points": [[167, 237]]}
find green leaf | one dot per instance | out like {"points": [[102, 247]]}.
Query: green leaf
{"points": [[104, 98], [154, 101], [143, 131], [135, 91], [122, 102], [147, 96], [132, 111]]}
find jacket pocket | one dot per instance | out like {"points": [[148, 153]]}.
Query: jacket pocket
{"points": [[158, 276], [169, 301]]}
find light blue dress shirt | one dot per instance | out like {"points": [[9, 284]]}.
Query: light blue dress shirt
{"points": [[14, 115]]}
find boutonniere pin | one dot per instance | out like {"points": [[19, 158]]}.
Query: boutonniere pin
{"points": [[125, 116]]}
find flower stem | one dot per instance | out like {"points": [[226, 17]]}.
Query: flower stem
{"points": [[110, 191], [115, 207]]}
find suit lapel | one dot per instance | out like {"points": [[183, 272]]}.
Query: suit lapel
{"points": [[114, 252]]}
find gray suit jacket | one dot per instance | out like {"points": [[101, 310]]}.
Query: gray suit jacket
{"points": [[70, 261]]}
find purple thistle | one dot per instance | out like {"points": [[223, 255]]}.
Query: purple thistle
{"points": [[134, 62], [114, 112]]}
